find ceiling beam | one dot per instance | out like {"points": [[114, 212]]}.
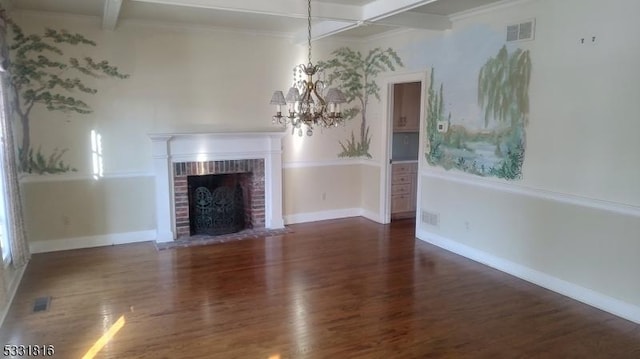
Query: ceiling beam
{"points": [[380, 9], [383, 12], [323, 29], [417, 20], [285, 8], [335, 18], [110, 14]]}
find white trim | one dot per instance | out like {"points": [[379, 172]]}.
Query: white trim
{"points": [[133, 174], [91, 241], [210, 156], [331, 214], [205, 134], [326, 163], [486, 9], [595, 299], [371, 163], [11, 292], [388, 80], [371, 215], [110, 14], [170, 148], [34, 178], [392, 33], [615, 207], [322, 215]]}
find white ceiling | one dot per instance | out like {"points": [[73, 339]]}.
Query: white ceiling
{"points": [[450, 7], [346, 2], [349, 18]]}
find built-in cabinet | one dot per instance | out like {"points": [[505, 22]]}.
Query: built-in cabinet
{"points": [[403, 189], [406, 109]]}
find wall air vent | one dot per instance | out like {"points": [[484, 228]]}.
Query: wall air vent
{"points": [[432, 219], [522, 31]]}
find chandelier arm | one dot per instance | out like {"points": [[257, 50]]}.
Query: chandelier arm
{"points": [[323, 103]]}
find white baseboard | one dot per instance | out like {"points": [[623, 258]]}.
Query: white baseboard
{"points": [[336, 162], [332, 214], [322, 215], [91, 241], [371, 215], [608, 304], [11, 292], [164, 237]]}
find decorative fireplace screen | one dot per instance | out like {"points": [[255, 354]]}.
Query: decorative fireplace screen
{"points": [[216, 204]]}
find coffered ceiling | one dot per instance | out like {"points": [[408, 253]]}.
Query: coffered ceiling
{"points": [[350, 18]]}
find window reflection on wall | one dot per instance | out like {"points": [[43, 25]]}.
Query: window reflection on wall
{"points": [[96, 154], [4, 238]]}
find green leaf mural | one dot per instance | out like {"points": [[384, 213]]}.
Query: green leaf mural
{"points": [[503, 96], [40, 75], [355, 75], [503, 87]]}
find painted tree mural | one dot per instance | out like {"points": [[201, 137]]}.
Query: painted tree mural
{"points": [[503, 93], [355, 75], [435, 114], [41, 75], [503, 96]]}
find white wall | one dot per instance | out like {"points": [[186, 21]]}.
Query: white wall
{"points": [[582, 137], [181, 79], [575, 215]]}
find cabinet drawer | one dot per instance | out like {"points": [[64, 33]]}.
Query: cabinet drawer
{"points": [[400, 189], [400, 203], [401, 179], [402, 168]]}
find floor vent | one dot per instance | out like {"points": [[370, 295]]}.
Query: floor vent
{"points": [[41, 304], [432, 219]]}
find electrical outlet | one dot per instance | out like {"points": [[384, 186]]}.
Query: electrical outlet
{"points": [[66, 220], [324, 196], [467, 226]]}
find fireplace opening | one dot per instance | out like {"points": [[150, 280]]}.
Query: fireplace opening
{"points": [[218, 203], [248, 173]]}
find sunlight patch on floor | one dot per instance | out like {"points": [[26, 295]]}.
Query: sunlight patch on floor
{"points": [[105, 338]]}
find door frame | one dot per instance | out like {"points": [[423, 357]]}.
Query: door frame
{"points": [[387, 110]]}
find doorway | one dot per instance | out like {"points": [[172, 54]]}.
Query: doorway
{"points": [[405, 138], [405, 98]]}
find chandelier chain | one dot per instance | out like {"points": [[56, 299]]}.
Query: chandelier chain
{"points": [[309, 28], [305, 101]]}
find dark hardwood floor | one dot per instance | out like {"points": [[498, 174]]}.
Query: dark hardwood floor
{"points": [[337, 289]]}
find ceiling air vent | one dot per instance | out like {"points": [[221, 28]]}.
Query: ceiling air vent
{"points": [[521, 31]]}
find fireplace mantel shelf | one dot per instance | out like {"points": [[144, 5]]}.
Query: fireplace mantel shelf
{"points": [[169, 135]]}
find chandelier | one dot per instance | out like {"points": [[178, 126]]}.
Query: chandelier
{"points": [[304, 102]]}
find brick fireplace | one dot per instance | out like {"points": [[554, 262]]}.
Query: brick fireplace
{"points": [[253, 186], [176, 156]]}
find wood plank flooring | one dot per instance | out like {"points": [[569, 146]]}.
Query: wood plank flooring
{"points": [[336, 289]]}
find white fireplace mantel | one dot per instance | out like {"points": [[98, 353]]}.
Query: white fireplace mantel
{"points": [[170, 148]]}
